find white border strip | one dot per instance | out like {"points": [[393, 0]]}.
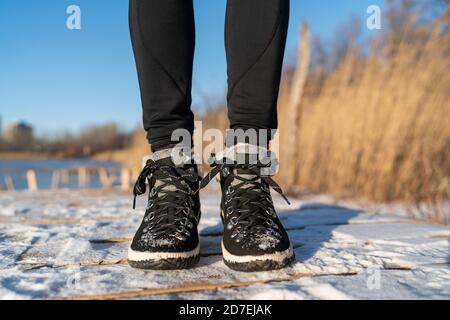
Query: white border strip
{"points": [[277, 256], [138, 256]]}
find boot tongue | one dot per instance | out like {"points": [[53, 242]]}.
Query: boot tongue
{"points": [[160, 180], [245, 186], [248, 158], [246, 174], [165, 157]]}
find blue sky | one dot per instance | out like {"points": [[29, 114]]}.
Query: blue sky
{"points": [[59, 79]]}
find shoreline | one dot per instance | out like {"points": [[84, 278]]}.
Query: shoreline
{"points": [[23, 155]]}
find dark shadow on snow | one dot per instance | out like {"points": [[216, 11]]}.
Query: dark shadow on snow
{"points": [[309, 228]]}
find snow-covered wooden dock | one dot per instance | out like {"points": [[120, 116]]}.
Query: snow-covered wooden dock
{"points": [[73, 244]]}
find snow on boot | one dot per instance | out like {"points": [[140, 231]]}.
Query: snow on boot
{"points": [[254, 238], [167, 238]]}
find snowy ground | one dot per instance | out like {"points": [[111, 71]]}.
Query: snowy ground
{"points": [[73, 245]]}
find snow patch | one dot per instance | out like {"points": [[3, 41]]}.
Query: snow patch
{"points": [[267, 241], [322, 291]]}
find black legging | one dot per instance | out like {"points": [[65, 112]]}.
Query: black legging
{"points": [[163, 37]]}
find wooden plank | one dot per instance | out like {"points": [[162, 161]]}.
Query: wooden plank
{"points": [[32, 181], [9, 183], [90, 263], [110, 241], [56, 175], [125, 179], [199, 287], [37, 265], [34, 266], [26, 221], [106, 180], [83, 177]]}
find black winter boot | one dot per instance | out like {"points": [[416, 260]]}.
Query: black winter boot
{"points": [[167, 238], [254, 238]]}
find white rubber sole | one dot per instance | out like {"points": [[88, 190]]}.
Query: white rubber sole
{"points": [[275, 257], [138, 256]]}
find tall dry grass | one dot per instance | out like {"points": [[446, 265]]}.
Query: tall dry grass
{"points": [[378, 126]]}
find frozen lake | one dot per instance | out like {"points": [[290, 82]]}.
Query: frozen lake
{"points": [[16, 169]]}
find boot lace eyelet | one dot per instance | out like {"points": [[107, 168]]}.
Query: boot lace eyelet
{"points": [[276, 234], [268, 223], [150, 217], [179, 237], [184, 222], [271, 212], [148, 228]]}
